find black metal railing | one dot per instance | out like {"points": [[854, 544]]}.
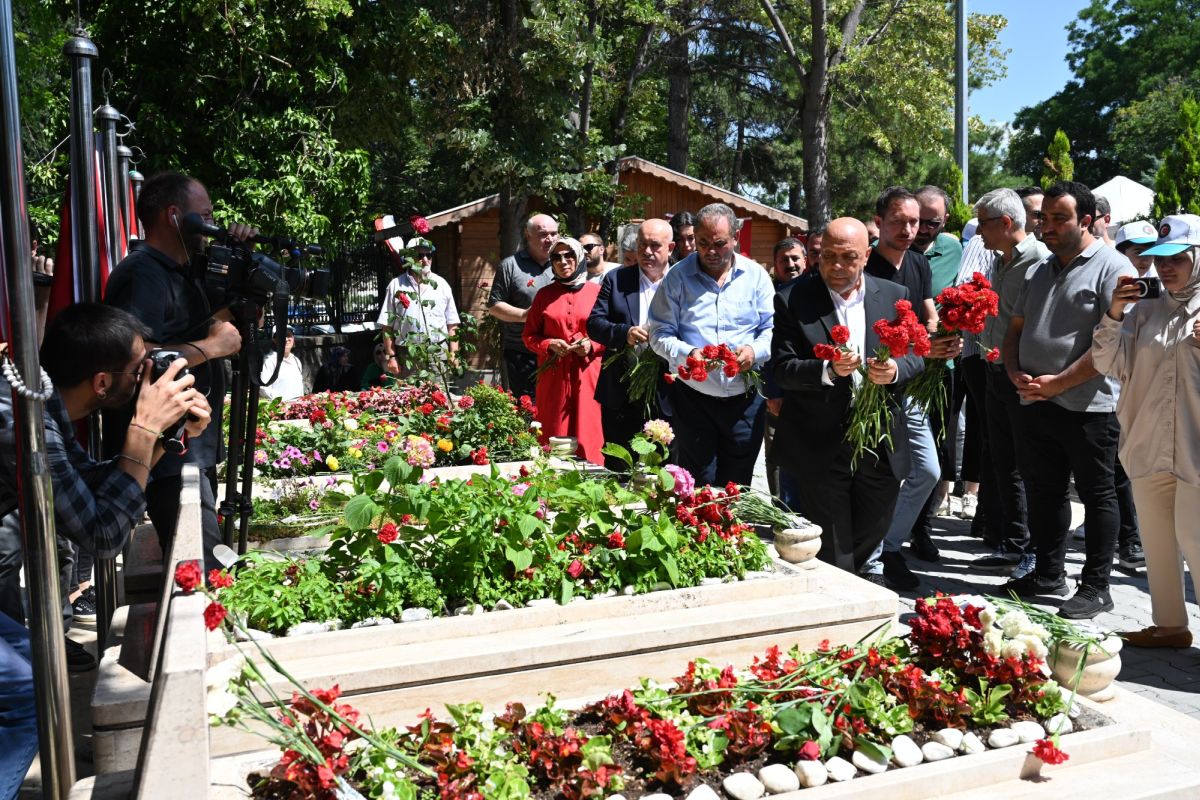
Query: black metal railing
{"points": [[360, 274]]}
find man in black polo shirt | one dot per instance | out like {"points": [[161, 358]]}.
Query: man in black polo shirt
{"points": [[518, 279], [897, 213], [157, 284]]}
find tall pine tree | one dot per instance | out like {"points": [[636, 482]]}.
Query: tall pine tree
{"points": [[1177, 186]]}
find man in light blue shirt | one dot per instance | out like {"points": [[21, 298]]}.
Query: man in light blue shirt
{"points": [[715, 296]]}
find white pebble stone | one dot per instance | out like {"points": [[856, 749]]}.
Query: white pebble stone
{"points": [[711, 582], [610, 593], [628, 590], [971, 744], [743, 786], [1060, 723], [951, 737], [469, 610], [867, 763], [840, 769], [1028, 731], [702, 792], [936, 751], [661, 586], [778, 778], [415, 614], [657, 796], [1002, 737], [502, 605], [905, 752], [616, 797], [541, 602], [254, 634], [373, 622], [811, 773]]}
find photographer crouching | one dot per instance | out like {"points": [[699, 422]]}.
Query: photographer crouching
{"points": [[158, 285]]}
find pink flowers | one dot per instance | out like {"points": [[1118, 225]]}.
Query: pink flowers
{"points": [[418, 452], [659, 431], [466, 401], [419, 224], [188, 576], [480, 456], [685, 484], [575, 569]]}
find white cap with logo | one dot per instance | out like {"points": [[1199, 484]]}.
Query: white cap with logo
{"points": [[1136, 233], [1176, 233]]}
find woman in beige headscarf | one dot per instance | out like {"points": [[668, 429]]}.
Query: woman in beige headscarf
{"points": [[568, 361], [1154, 350]]}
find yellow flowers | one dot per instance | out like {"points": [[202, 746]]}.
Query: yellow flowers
{"points": [[354, 452], [332, 463], [445, 445]]}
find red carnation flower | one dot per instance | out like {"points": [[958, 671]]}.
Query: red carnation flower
{"points": [[426, 408], [575, 569], [439, 397], [840, 334], [404, 299], [387, 534], [810, 751], [699, 374], [219, 579], [616, 540], [480, 456], [529, 282], [188, 576], [419, 224], [668, 377], [992, 355], [1048, 751], [214, 615], [731, 370], [711, 351], [825, 352]]}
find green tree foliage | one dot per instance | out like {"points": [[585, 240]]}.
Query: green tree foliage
{"points": [[1122, 53], [1057, 165], [1177, 188]]}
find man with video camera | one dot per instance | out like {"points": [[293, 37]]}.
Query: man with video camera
{"points": [[158, 285]]}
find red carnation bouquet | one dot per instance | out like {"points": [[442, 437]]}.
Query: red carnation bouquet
{"points": [[870, 411], [715, 357], [835, 352], [961, 309]]}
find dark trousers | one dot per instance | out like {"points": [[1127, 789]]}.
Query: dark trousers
{"points": [[853, 508], [12, 556], [1003, 406], [519, 366], [976, 459], [718, 437], [84, 561], [1053, 443], [1128, 533], [162, 505]]}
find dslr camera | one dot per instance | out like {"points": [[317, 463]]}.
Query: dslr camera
{"points": [[160, 360]]}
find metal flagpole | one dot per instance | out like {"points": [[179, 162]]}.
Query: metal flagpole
{"points": [[106, 568], [81, 51], [961, 141], [128, 224], [35, 498]]}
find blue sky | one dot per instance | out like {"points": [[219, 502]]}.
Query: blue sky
{"points": [[1037, 68]]}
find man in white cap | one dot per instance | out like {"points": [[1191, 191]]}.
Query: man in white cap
{"points": [[418, 304], [1133, 239]]}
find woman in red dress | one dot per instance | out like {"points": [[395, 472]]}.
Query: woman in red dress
{"points": [[568, 362]]}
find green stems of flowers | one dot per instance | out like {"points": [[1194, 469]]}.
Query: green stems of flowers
{"points": [[870, 422]]}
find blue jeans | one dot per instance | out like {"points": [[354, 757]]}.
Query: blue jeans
{"points": [[923, 473], [18, 714]]}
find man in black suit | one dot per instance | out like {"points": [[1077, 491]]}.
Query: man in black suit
{"points": [[618, 320], [853, 506]]}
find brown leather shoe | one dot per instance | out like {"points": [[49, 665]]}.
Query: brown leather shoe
{"points": [[1149, 637]]}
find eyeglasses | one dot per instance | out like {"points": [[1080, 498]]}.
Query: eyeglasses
{"points": [[423, 256], [931, 223], [137, 373], [587, 248], [983, 222], [556, 257]]}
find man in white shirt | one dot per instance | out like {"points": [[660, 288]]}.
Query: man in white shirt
{"points": [[418, 304], [289, 384]]}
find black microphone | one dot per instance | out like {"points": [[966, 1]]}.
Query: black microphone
{"points": [[194, 223]]}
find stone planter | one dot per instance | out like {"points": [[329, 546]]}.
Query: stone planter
{"points": [[797, 545], [563, 446], [1100, 670]]}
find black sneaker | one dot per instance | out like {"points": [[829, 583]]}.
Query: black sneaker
{"points": [[1033, 585], [1001, 558], [896, 572], [1087, 602], [923, 547], [78, 658], [84, 607], [1132, 556], [873, 577]]}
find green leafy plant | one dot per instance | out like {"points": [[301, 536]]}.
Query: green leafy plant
{"points": [[988, 704]]}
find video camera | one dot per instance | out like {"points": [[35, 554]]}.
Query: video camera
{"points": [[237, 271]]}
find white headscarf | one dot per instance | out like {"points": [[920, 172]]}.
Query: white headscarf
{"points": [[575, 281]]}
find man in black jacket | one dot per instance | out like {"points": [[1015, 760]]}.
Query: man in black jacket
{"points": [[853, 506]]}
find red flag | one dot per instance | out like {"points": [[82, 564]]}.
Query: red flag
{"points": [[68, 275]]}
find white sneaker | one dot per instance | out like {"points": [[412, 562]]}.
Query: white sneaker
{"points": [[969, 502], [944, 509]]}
